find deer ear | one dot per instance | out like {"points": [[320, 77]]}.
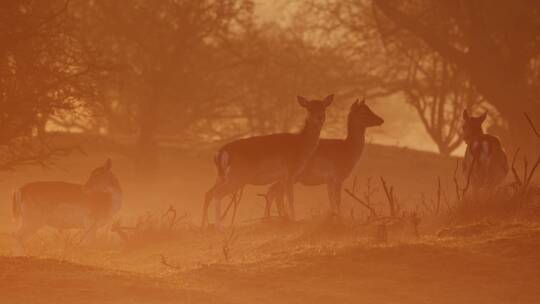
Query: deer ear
{"points": [[328, 100], [363, 101], [108, 164], [354, 104], [483, 117], [465, 115], [302, 101]]}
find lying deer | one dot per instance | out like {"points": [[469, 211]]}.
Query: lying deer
{"points": [[333, 160], [485, 164], [64, 205], [262, 160]]}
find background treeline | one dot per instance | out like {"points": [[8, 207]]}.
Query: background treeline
{"points": [[199, 72]]}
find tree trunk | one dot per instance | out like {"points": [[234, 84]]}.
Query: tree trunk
{"points": [[444, 150], [508, 92]]}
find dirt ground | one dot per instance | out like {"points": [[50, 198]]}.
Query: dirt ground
{"points": [[300, 263], [313, 260]]}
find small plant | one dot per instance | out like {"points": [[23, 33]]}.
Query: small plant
{"points": [[150, 228], [391, 198], [167, 264], [236, 197], [396, 217], [227, 244], [434, 207], [367, 195], [171, 219]]}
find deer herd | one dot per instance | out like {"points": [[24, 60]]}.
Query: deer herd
{"points": [[280, 160]]}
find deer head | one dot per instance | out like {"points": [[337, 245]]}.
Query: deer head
{"points": [[102, 180], [316, 109], [361, 116], [472, 126]]}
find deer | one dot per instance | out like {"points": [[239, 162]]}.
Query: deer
{"points": [[485, 163], [262, 160], [64, 205], [333, 160]]}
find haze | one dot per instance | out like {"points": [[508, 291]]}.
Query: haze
{"points": [[257, 151]]}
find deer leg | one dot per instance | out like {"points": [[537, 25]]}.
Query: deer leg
{"points": [[280, 197], [207, 199], [337, 195], [331, 197], [270, 195], [89, 232], [217, 206], [278, 194], [275, 194], [209, 196], [289, 187], [268, 207], [219, 192], [25, 231]]}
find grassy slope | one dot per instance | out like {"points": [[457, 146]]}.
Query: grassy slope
{"points": [[501, 264], [185, 177], [271, 263], [31, 280]]}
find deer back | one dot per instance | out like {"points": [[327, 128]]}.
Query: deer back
{"points": [[334, 159], [264, 159], [70, 205]]}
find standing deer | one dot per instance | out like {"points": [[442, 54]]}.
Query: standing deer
{"points": [[261, 160], [334, 159], [64, 205], [485, 164]]}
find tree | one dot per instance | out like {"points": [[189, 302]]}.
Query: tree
{"points": [[235, 79], [495, 42], [492, 46], [167, 53], [45, 69], [281, 64], [434, 87], [439, 93]]}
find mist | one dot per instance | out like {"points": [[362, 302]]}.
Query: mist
{"points": [[257, 151]]}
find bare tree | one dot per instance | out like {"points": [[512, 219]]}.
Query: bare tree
{"points": [[398, 62], [45, 70], [167, 51], [495, 43], [439, 93]]}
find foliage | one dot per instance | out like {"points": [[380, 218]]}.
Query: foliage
{"points": [[46, 70], [495, 43]]}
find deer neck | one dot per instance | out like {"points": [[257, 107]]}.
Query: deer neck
{"points": [[310, 135], [478, 136], [356, 139], [114, 194]]}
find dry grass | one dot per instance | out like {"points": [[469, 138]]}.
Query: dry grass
{"points": [[157, 254], [308, 261]]}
